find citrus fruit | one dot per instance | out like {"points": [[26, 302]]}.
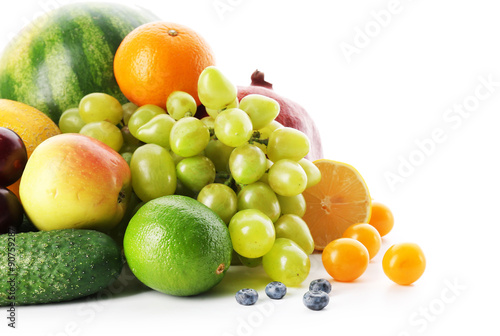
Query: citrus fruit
{"points": [[339, 200], [29, 123], [158, 58], [178, 246], [381, 218]]}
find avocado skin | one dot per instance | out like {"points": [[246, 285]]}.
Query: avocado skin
{"points": [[54, 266]]}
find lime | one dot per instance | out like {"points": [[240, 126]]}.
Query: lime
{"points": [[178, 246]]}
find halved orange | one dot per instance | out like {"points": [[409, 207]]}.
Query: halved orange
{"points": [[339, 200]]}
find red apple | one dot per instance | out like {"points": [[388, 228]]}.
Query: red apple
{"points": [[74, 181]]}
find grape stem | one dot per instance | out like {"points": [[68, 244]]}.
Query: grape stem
{"points": [[226, 177], [256, 138]]}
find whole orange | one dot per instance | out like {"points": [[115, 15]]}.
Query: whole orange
{"points": [[30, 124], [158, 58]]}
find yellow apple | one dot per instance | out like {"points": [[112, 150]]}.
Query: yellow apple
{"points": [[74, 181]]}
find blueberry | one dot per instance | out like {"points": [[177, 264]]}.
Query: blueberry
{"points": [[320, 285], [246, 296], [316, 300], [275, 290]]}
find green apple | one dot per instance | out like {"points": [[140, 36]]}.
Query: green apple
{"points": [[74, 181]]}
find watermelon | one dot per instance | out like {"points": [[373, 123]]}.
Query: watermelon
{"points": [[62, 56]]}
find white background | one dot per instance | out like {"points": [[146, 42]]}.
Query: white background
{"points": [[406, 78]]}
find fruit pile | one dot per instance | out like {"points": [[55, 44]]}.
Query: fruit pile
{"points": [[238, 161], [189, 174]]}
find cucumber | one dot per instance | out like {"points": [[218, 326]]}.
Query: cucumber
{"points": [[55, 266]]}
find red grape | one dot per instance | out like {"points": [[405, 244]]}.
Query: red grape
{"points": [[11, 211], [13, 157]]}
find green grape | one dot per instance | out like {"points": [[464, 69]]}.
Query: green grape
{"points": [[293, 205], [105, 132], [70, 121], [250, 262], [247, 164], [221, 199], [263, 135], [233, 127], [195, 172], [189, 137], [259, 196], [287, 262], [215, 112], [261, 109], [252, 233], [212, 113], [99, 106], [127, 156], [130, 143], [157, 130], [181, 104], [153, 172], [287, 143], [295, 228], [142, 115], [235, 259], [209, 122], [265, 177], [287, 178], [215, 91], [181, 189], [219, 154], [175, 157], [128, 109], [312, 171], [266, 131]]}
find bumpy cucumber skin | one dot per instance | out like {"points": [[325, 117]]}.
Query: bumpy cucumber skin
{"points": [[55, 266]]}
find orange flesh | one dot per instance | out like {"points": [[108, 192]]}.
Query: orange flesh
{"points": [[338, 201]]}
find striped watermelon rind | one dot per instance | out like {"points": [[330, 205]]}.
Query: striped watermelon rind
{"points": [[66, 54]]}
